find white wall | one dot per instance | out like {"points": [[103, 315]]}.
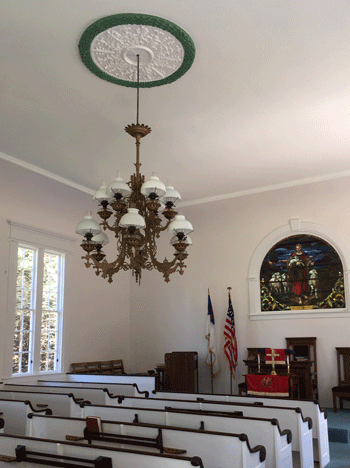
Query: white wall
{"points": [[141, 323], [168, 317], [97, 313]]}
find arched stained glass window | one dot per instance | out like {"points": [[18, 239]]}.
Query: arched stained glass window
{"points": [[301, 272]]}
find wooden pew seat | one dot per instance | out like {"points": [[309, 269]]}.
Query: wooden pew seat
{"points": [[114, 367]]}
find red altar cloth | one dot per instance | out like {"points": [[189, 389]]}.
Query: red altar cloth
{"points": [[267, 385]]}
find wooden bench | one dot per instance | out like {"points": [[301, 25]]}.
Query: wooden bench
{"points": [[114, 367], [144, 381], [260, 431], [216, 449], [89, 390], [63, 404], [94, 395], [15, 415], [49, 451], [309, 409], [288, 418]]}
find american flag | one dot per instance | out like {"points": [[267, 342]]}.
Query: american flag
{"points": [[230, 346]]}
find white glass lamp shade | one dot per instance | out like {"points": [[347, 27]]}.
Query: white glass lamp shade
{"points": [[101, 239], [180, 224], [88, 225], [101, 194], [175, 240], [118, 186], [153, 185], [171, 195], [132, 218]]}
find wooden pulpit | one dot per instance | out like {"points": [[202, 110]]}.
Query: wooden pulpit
{"points": [[181, 372]]}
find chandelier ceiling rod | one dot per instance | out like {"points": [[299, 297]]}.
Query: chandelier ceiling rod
{"points": [[138, 89]]}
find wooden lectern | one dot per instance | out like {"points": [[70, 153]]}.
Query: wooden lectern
{"points": [[181, 372]]}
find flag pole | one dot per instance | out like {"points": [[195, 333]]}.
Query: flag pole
{"points": [[211, 358], [231, 376]]}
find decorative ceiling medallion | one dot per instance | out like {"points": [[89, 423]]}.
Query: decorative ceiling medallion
{"points": [[109, 48]]}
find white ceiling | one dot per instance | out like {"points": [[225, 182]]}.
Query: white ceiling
{"points": [[266, 102]]}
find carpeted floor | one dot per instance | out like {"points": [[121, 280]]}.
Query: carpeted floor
{"points": [[339, 437]]}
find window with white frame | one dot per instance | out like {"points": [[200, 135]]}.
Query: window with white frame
{"points": [[36, 300], [39, 299], [339, 292]]}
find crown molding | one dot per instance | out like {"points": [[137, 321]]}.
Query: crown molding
{"points": [[199, 201], [267, 188], [47, 174]]}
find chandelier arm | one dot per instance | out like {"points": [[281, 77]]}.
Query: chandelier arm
{"points": [[109, 269], [153, 223], [92, 262], [166, 267], [161, 228], [87, 262], [116, 229]]}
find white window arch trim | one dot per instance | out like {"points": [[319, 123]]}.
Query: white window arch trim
{"points": [[295, 227], [25, 235]]}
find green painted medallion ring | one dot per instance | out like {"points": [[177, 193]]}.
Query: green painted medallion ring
{"points": [[109, 48]]}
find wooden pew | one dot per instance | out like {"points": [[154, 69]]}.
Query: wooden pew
{"points": [[94, 395], [76, 455], [215, 449], [63, 404], [14, 413], [114, 367], [309, 409], [145, 382], [260, 431], [57, 386], [288, 418]]}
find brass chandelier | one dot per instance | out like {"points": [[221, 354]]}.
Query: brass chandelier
{"points": [[137, 225]]}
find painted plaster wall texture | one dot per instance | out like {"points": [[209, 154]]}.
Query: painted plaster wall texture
{"points": [[97, 313], [142, 323], [226, 233]]}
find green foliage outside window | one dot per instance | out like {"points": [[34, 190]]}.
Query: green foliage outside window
{"points": [[26, 307]]}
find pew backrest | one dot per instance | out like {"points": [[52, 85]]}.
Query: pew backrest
{"points": [[309, 409], [216, 449], [260, 431], [288, 418], [94, 395], [58, 386], [121, 458], [114, 366], [14, 414], [63, 404], [144, 382]]}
